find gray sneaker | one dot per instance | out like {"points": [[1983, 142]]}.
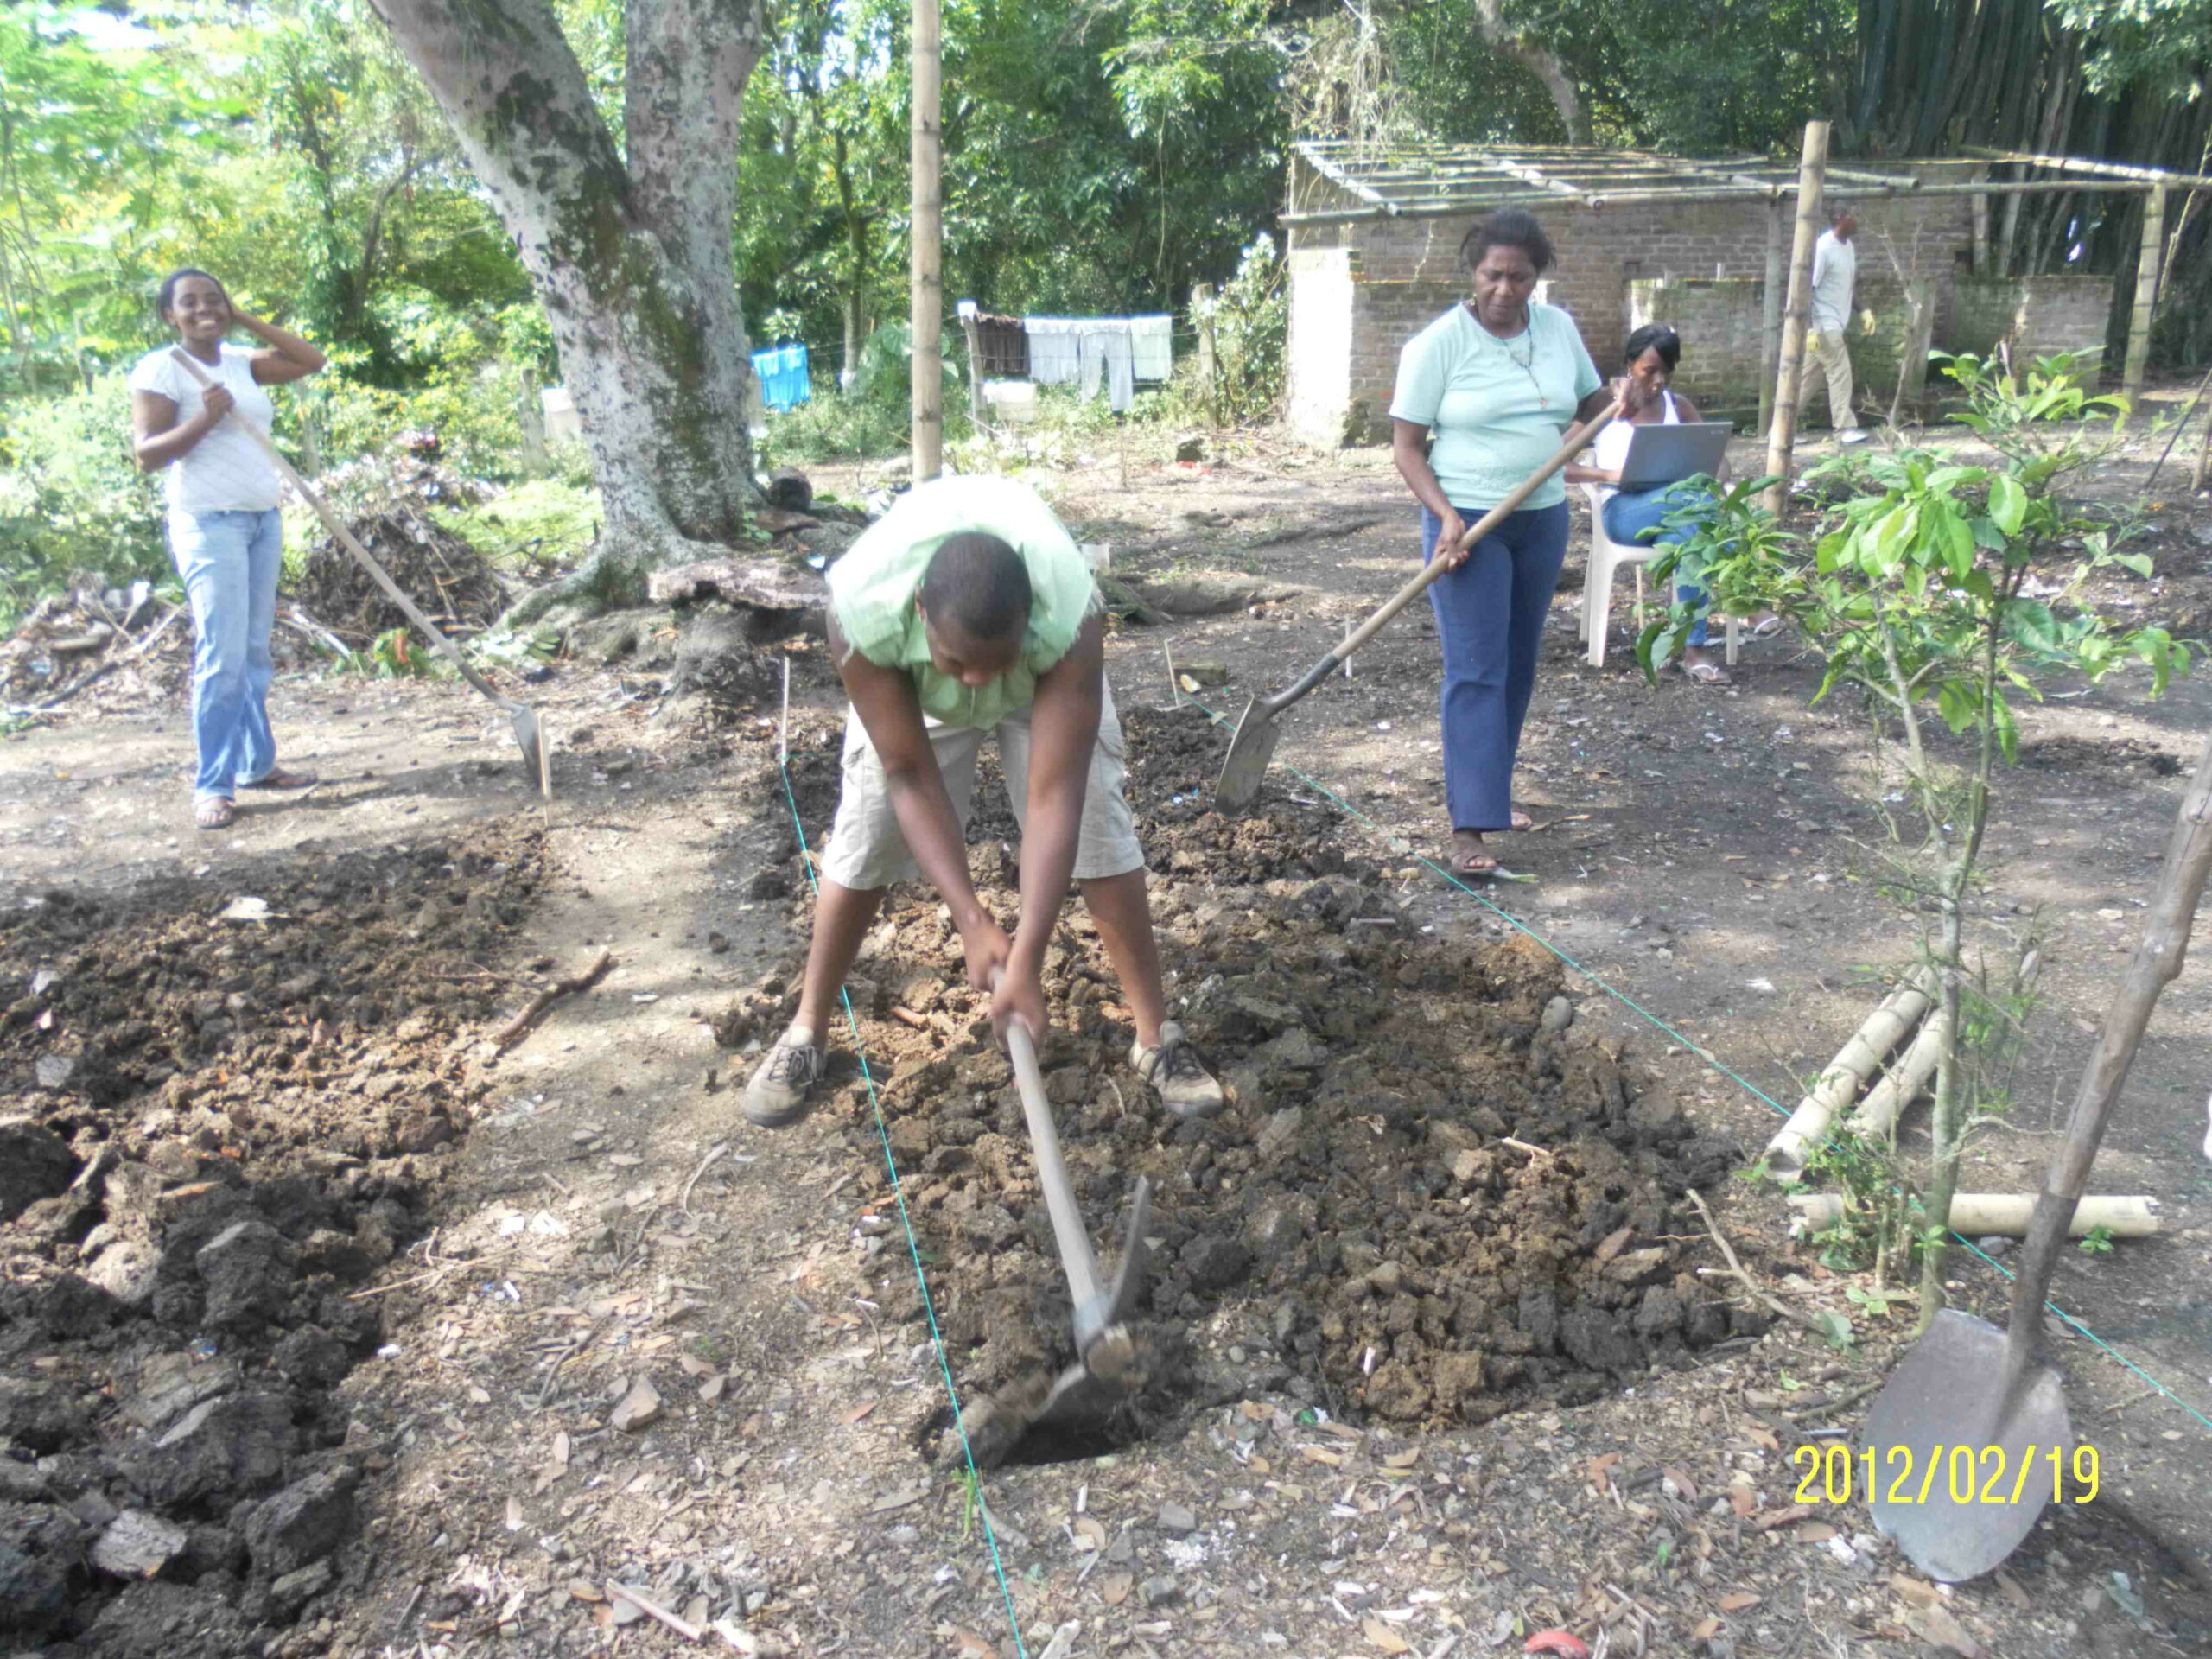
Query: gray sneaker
{"points": [[775, 1096], [1176, 1074], [1852, 435]]}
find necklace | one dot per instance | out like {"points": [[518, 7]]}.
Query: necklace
{"points": [[1527, 365]]}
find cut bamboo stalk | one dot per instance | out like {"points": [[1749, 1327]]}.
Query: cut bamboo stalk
{"points": [[1885, 1102], [2147, 258], [1999, 1215], [1846, 1074], [1790, 367], [925, 233]]}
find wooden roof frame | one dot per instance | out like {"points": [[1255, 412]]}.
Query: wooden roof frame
{"points": [[1427, 178]]}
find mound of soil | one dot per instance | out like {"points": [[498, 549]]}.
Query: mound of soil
{"points": [[213, 1130], [386, 503], [1433, 1199]]}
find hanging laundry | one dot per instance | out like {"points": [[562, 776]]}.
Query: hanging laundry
{"points": [[1105, 354], [1054, 355], [1152, 339], [785, 379]]}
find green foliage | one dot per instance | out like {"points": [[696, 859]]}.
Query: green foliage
{"points": [[2096, 1242], [1251, 325], [542, 524], [1874, 1226], [72, 499], [1941, 592]]}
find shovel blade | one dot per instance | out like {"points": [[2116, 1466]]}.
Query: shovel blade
{"points": [[1254, 747], [536, 764], [1941, 1411]]}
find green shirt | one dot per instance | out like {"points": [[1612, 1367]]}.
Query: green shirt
{"points": [[872, 590], [1497, 407]]}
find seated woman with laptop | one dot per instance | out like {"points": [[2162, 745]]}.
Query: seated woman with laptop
{"points": [[1645, 467]]}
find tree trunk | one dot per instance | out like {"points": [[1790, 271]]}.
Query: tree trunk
{"points": [[630, 255], [1539, 62]]}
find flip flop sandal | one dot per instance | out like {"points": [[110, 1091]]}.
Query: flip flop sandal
{"points": [[281, 779], [1520, 821], [1473, 866], [214, 815], [1766, 627], [1707, 674]]}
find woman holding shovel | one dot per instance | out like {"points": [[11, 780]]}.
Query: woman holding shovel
{"points": [[1496, 381], [224, 531]]}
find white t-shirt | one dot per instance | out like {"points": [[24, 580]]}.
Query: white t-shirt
{"points": [[1610, 451], [1835, 268], [225, 472]]}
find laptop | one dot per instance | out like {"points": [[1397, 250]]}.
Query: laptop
{"points": [[1668, 454]]}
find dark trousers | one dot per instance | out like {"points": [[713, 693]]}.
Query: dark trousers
{"points": [[1490, 615]]}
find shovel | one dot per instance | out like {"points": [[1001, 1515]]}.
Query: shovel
{"points": [[1259, 728], [1967, 1386], [524, 718], [1086, 1392]]}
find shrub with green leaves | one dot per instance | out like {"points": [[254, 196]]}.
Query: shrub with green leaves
{"points": [[543, 526], [72, 498], [1941, 591]]}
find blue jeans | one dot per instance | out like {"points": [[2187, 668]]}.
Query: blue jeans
{"points": [[230, 562], [1490, 615], [1630, 513]]}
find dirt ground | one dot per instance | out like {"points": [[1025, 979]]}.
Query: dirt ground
{"points": [[488, 1333]]}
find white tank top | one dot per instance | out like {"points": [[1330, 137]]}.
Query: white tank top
{"points": [[1611, 449]]}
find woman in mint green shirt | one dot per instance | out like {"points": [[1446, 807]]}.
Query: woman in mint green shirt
{"points": [[1496, 381]]}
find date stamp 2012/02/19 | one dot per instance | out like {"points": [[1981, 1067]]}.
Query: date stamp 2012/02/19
{"points": [[1961, 1474]]}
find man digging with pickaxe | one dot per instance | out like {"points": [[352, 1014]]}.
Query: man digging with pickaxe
{"points": [[968, 608]]}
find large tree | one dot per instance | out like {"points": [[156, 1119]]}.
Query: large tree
{"points": [[627, 242]]}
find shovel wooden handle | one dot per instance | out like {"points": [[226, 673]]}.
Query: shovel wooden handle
{"points": [[1577, 441], [2156, 962], [1082, 1269], [345, 539]]}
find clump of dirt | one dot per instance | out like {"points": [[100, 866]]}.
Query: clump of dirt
{"points": [[387, 505], [1433, 1197], [220, 1110]]}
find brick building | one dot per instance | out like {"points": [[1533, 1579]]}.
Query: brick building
{"points": [[1375, 256]]}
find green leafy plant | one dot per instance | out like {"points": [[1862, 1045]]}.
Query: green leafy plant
{"points": [[1941, 593], [2096, 1242]]}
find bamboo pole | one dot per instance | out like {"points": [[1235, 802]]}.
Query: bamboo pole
{"points": [[1885, 1102], [1771, 316], [2147, 258], [928, 228], [2001, 1215], [1794, 1142], [1477, 202], [1982, 233], [2197, 475], [1790, 367], [2160, 175]]}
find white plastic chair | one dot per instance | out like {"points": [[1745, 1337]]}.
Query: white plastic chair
{"points": [[1606, 558]]}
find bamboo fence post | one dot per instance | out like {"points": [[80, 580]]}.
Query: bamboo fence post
{"points": [[2147, 258], [1981, 235], [1771, 316], [928, 225], [1999, 1214], [1812, 169], [1885, 1102], [1795, 1142], [2203, 466]]}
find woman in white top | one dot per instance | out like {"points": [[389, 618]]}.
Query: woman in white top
{"points": [[224, 532], [1638, 517]]}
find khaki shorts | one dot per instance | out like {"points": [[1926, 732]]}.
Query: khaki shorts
{"points": [[866, 849]]}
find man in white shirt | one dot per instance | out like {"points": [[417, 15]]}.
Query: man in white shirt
{"points": [[1836, 269]]}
